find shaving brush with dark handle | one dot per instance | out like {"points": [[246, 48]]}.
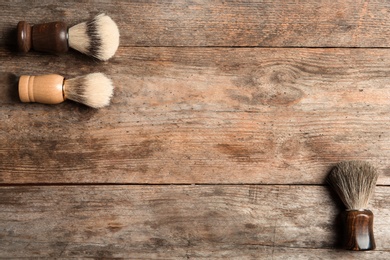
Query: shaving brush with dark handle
{"points": [[354, 182], [98, 37]]}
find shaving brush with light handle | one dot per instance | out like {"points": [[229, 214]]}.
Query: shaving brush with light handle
{"points": [[94, 90]]}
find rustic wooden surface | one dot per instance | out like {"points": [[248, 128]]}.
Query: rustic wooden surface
{"points": [[183, 221], [279, 23], [226, 118]]}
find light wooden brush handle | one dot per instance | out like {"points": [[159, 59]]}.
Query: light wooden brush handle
{"points": [[358, 230], [46, 89]]}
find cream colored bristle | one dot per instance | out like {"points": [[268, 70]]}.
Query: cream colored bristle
{"points": [[98, 38], [78, 38], [354, 182], [94, 90]]}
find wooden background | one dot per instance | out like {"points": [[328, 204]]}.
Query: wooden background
{"points": [[227, 117]]}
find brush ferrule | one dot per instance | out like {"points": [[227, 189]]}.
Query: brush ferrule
{"points": [[47, 37], [358, 230]]}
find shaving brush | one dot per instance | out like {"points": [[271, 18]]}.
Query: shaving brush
{"points": [[98, 37], [94, 90], [354, 182]]}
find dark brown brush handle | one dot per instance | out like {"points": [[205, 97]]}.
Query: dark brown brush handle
{"points": [[46, 37], [358, 230]]}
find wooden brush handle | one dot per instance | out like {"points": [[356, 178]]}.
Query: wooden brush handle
{"points": [[46, 37], [46, 89], [359, 233]]}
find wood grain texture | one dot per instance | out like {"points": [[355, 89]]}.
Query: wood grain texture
{"points": [[202, 115], [180, 221], [330, 23], [224, 93]]}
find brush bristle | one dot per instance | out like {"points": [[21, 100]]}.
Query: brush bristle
{"points": [[98, 38], [94, 90], [354, 182]]}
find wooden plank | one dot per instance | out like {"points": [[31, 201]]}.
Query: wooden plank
{"points": [[330, 23], [180, 221], [194, 115]]}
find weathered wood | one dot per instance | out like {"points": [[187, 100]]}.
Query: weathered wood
{"points": [[182, 221], [330, 23], [197, 115], [202, 115]]}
